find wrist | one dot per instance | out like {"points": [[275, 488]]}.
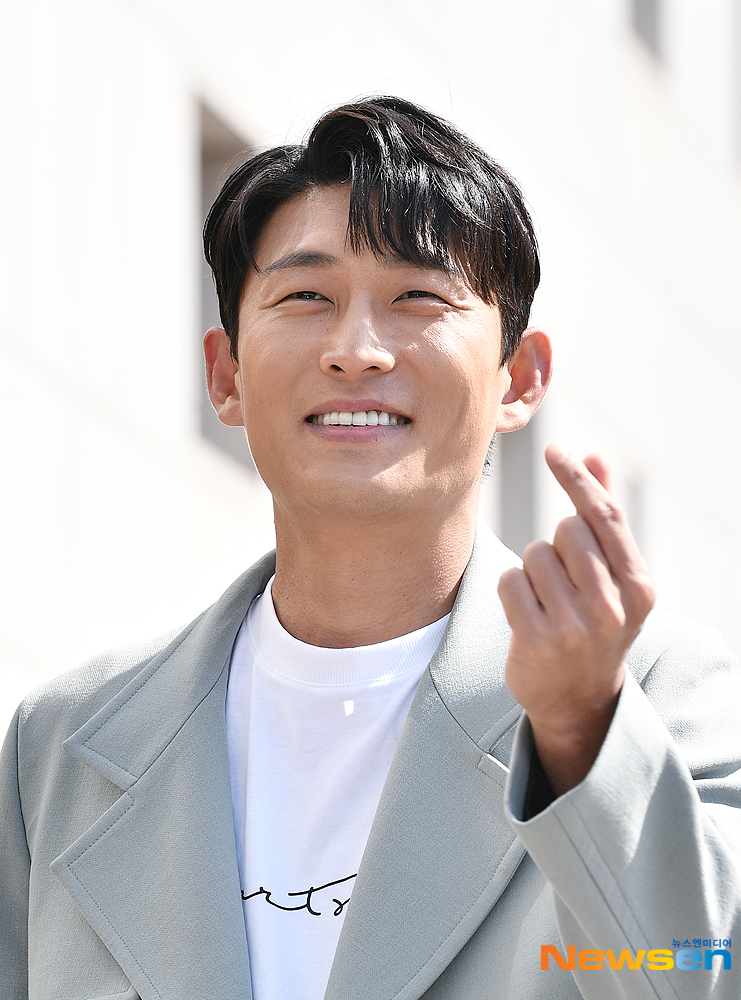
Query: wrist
{"points": [[568, 747]]}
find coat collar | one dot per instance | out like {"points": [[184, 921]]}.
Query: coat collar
{"points": [[157, 877]]}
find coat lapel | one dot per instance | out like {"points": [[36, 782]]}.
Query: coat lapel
{"points": [[440, 851], [156, 875]]}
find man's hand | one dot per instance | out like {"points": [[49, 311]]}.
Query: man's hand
{"points": [[575, 608]]}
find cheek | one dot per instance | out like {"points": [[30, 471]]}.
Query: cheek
{"points": [[471, 381], [485, 374], [267, 367]]}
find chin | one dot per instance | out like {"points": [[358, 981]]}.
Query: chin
{"points": [[364, 498], [374, 495]]}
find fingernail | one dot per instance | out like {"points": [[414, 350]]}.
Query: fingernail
{"points": [[562, 452]]}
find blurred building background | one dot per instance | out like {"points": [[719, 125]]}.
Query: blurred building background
{"points": [[126, 508]]}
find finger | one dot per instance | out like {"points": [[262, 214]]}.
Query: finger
{"points": [[518, 599], [600, 470], [581, 554], [596, 590], [549, 580], [606, 518], [600, 510]]}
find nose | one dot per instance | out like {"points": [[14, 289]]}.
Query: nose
{"points": [[356, 347]]}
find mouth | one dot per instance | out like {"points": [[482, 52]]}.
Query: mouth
{"points": [[358, 418]]}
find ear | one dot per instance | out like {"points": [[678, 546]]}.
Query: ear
{"points": [[530, 372], [222, 375]]}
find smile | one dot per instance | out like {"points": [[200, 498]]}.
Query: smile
{"points": [[358, 418]]}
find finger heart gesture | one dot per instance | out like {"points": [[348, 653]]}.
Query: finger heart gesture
{"points": [[574, 608]]}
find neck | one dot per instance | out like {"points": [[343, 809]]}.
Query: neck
{"points": [[354, 581]]}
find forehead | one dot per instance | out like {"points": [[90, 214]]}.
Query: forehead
{"points": [[312, 219], [310, 229]]}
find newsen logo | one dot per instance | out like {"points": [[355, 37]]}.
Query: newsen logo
{"points": [[658, 959]]}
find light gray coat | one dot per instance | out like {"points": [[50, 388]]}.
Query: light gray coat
{"points": [[119, 873]]}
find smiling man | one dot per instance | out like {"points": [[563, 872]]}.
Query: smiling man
{"points": [[390, 762]]}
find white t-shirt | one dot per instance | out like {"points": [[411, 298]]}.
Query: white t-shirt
{"points": [[311, 732]]}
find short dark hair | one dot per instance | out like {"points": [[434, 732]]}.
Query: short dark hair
{"points": [[419, 189]]}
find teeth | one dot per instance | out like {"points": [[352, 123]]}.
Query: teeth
{"points": [[358, 418]]}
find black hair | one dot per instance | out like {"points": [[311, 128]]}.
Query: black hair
{"points": [[419, 189]]}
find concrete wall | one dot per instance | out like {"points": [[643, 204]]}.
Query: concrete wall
{"points": [[120, 518]]}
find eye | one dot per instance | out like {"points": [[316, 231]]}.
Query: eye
{"points": [[307, 296], [417, 293]]}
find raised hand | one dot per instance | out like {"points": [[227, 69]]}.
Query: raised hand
{"points": [[574, 608]]}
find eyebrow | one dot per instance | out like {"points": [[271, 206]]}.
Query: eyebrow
{"points": [[314, 258], [301, 259]]}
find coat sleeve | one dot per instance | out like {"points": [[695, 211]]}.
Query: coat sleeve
{"points": [[646, 851], [15, 870]]}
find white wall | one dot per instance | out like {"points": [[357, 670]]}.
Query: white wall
{"points": [[119, 519]]}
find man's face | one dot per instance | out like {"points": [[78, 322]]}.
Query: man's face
{"points": [[364, 384]]}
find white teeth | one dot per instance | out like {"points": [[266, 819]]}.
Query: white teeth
{"points": [[358, 418]]}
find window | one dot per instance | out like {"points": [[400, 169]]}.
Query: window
{"points": [[646, 17], [221, 149], [517, 513]]}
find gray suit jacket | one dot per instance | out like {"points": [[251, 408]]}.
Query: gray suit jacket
{"points": [[119, 873]]}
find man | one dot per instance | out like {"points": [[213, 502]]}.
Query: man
{"points": [[312, 774]]}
